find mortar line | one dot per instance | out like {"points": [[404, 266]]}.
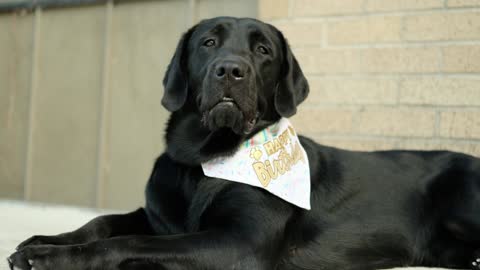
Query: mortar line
{"points": [[103, 158], [400, 106], [358, 76], [405, 44], [363, 136], [360, 15], [390, 74], [28, 181]]}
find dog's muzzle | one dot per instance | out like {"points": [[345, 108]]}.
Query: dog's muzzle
{"points": [[227, 114], [228, 98]]}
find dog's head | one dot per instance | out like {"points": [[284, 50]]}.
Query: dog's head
{"points": [[234, 72]]}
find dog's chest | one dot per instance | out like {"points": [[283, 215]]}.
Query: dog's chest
{"points": [[202, 194]]}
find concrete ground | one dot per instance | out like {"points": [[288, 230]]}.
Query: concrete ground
{"points": [[19, 220]]}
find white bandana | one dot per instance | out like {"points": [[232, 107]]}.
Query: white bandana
{"points": [[273, 159]]}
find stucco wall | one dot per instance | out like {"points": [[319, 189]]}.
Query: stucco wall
{"points": [[80, 88]]}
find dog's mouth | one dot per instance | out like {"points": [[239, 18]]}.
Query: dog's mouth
{"points": [[226, 113], [226, 101]]}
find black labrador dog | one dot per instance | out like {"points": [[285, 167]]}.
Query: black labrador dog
{"points": [[229, 79]]}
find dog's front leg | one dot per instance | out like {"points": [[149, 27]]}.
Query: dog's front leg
{"points": [[475, 263], [102, 227], [204, 250]]}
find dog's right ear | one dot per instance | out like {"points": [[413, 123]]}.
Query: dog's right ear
{"points": [[175, 82]]}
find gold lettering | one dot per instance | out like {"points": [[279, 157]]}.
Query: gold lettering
{"points": [[269, 147], [277, 164], [285, 137], [262, 174], [277, 144], [281, 139], [292, 131], [271, 172], [297, 153]]}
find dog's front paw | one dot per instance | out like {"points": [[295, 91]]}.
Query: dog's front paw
{"points": [[476, 264], [41, 257], [18, 264]]}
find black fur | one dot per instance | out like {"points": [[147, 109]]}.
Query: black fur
{"points": [[370, 210]]}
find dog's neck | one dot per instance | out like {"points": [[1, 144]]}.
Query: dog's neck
{"points": [[190, 142]]}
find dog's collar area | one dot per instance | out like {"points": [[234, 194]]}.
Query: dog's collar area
{"points": [[272, 159]]}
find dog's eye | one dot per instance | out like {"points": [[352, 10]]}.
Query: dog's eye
{"points": [[262, 49], [209, 43]]}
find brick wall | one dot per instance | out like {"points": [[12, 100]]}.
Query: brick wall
{"points": [[386, 73]]}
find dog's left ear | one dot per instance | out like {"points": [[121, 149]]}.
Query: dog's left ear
{"points": [[292, 88], [175, 82]]}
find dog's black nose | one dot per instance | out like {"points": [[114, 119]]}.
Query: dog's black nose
{"points": [[231, 69]]}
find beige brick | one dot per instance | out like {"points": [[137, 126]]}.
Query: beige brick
{"points": [[302, 33], [461, 59], [352, 91], [440, 91], [318, 60], [311, 121], [404, 60], [396, 5], [326, 7], [377, 60], [396, 122], [460, 124], [365, 30], [357, 144], [463, 3], [273, 9], [450, 145], [443, 26]]}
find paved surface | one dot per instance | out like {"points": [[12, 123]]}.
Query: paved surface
{"points": [[19, 220]]}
